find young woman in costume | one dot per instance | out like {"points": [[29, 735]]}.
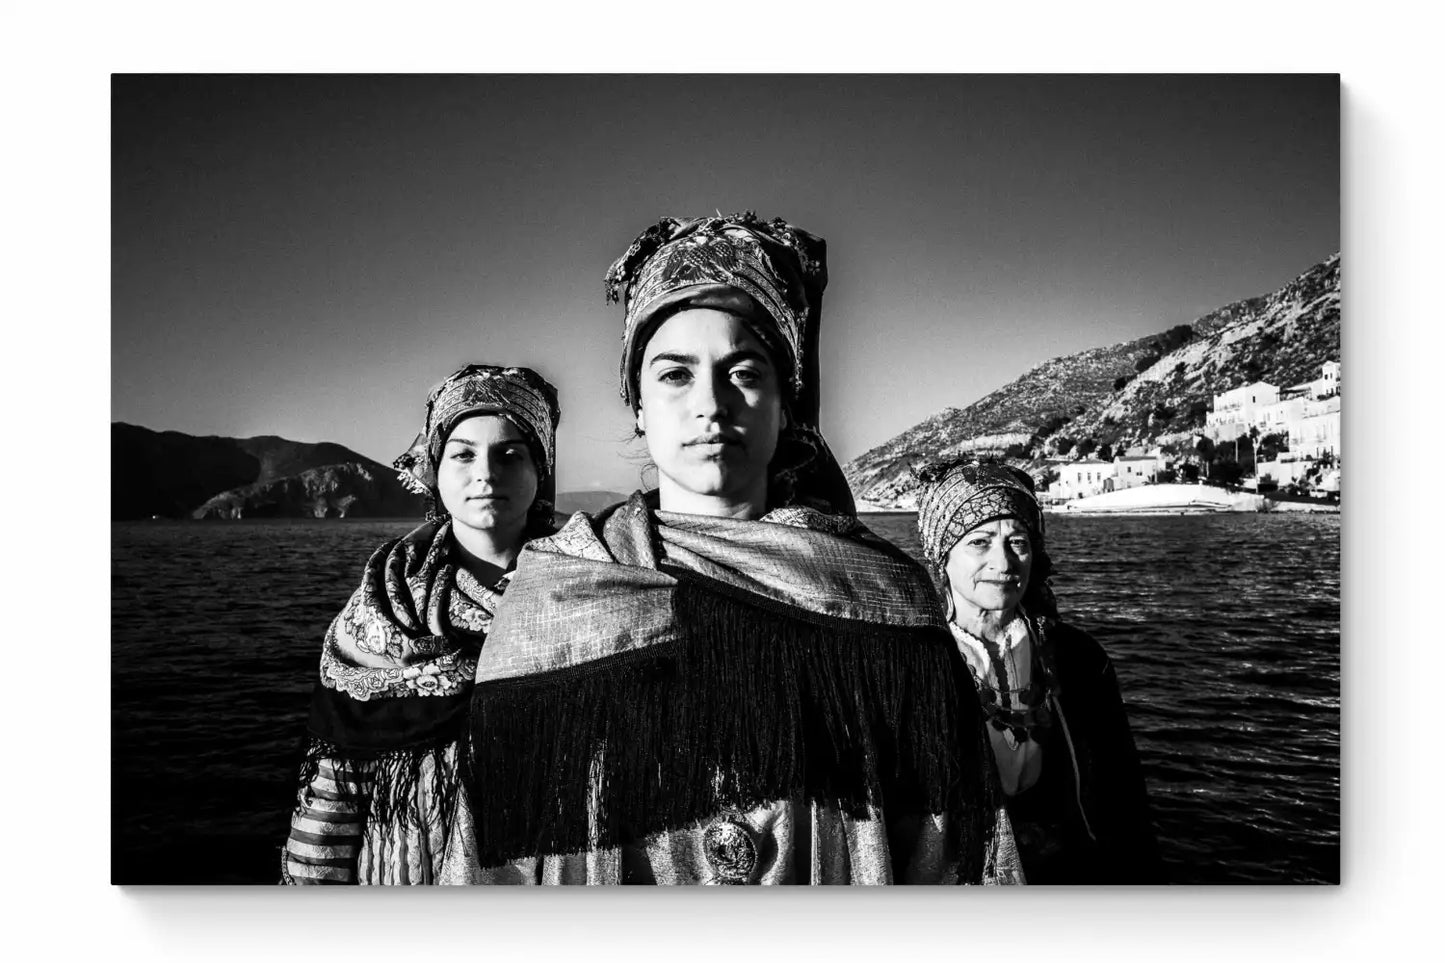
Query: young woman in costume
{"points": [[380, 781], [1057, 726], [728, 679]]}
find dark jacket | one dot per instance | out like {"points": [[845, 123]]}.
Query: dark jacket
{"points": [[1091, 792]]}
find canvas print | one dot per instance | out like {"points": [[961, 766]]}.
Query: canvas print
{"points": [[494, 501]]}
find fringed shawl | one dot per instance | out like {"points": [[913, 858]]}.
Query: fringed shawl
{"points": [[651, 670], [395, 682]]}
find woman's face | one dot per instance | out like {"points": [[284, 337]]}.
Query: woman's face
{"points": [[711, 409], [989, 568], [486, 476]]}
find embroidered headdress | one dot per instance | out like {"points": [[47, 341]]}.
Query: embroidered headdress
{"points": [[957, 498], [520, 395], [770, 273]]}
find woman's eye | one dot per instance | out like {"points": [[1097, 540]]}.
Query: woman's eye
{"points": [[747, 377], [1020, 546], [674, 376], [462, 454]]}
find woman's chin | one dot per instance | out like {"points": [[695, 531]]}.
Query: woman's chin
{"points": [[709, 481], [482, 519]]}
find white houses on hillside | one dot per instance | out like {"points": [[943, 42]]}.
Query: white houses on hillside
{"points": [[1307, 414]]}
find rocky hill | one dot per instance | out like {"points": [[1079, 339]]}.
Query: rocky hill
{"points": [[348, 490], [1151, 391], [172, 475]]}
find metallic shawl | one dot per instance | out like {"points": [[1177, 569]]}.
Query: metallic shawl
{"points": [[577, 597], [652, 670]]}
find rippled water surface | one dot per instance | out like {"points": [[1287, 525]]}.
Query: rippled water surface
{"points": [[1224, 630]]}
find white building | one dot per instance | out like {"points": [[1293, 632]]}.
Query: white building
{"points": [[1306, 414], [1236, 410], [1131, 471], [1285, 471], [1318, 433], [1327, 385], [1080, 478]]}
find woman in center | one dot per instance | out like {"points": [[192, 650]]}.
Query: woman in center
{"points": [[728, 679]]}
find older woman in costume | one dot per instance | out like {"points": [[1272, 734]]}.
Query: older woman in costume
{"points": [[380, 781], [726, 680], [1057, 725]]}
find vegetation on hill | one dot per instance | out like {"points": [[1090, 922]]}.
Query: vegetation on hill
{"points": [[348, 490]]}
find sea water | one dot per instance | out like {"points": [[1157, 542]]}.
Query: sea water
{"points": [[1224, 631]]}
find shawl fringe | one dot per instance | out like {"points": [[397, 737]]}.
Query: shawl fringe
{"points": [[756, 702], [386, 787]]}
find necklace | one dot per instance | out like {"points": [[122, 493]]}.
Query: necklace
{"points": [[1018, 711]]}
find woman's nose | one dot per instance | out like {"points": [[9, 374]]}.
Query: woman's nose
{"points": [[709, 397]]}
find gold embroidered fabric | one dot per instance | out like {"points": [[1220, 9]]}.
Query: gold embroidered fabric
{"points": [[731, 257], [596, 589], [583, 594]]}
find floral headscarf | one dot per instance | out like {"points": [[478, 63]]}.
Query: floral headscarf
{"points": [[957, 498], [520, 395]]}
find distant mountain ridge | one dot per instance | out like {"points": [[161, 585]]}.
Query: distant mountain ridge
{"points": [[1148, 391], [568, 503], [175, 475]]}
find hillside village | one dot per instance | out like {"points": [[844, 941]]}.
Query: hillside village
{"points": [[1299, 425], [1247, 396]]}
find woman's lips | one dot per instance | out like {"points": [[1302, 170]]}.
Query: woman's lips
{"points": [[712, 446]]}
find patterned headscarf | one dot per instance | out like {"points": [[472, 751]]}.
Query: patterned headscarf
{"points": [[772, 275], [520, 395], [959, 497]]}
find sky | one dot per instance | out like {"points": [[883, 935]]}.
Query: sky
{"points": [[306, 256]]}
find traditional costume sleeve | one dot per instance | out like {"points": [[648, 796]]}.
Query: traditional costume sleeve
{"points": [[326, 826]]}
